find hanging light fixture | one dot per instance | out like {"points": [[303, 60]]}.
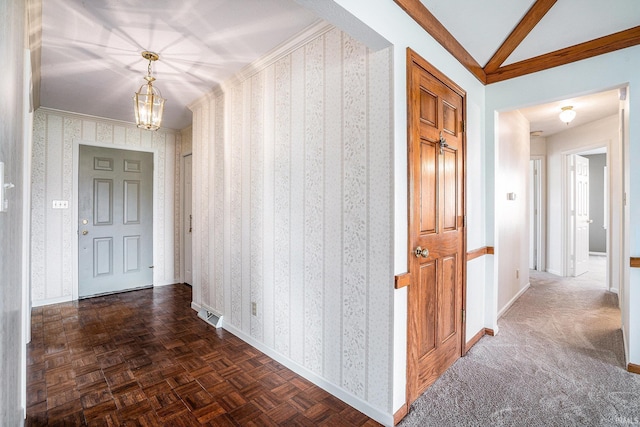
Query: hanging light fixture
{"points": [[148, 102], [567, 114]]}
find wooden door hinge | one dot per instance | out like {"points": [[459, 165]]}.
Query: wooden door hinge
{"points": [[463, 125]]}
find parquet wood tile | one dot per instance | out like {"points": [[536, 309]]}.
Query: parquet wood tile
{"points": [[144, 358]]}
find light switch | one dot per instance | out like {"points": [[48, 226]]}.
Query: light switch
{"points": [[4, 186]]}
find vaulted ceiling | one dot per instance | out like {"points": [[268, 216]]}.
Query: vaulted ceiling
{"points": [[502, 39], [91, 61]]}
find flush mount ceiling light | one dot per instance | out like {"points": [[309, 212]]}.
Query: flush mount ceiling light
{"points": [[148, 102], [567, 114]]}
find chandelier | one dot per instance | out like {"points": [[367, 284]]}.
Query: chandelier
{"points": [[148, 102]]}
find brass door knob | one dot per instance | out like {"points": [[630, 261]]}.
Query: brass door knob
{"points": [[419, 252]]}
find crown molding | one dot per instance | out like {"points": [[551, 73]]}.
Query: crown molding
{"points": [[310, 33]]}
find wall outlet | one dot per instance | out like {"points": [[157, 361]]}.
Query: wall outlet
{"points": [[254, 308], [60, 204]]}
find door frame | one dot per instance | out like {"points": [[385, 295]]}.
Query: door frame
{"points": [[414, 58], [567, 268], [76, 171], [539, 202], [182, 214]]}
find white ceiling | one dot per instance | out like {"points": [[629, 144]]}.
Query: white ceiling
{"points": [[588, 108], [482, 26], [91, 59], [570, 22]]}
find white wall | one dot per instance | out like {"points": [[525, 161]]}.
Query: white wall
{"points": [[391, 24], [538, 146], [12, 354], [185, 147], [512, 216], [293, 211], [592, 75], [601, 133], [54, 232]]}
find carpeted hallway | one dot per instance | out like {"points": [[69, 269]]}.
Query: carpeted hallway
{"points": [[558, 360]]}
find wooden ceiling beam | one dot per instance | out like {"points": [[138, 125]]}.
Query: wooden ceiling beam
{"points": [[416, 10], [600, 46], [524, 27]]}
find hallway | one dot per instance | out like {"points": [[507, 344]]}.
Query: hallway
{"points": [[558, 360]]}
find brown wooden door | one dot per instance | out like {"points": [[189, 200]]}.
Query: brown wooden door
{"points": [[436, 224]]}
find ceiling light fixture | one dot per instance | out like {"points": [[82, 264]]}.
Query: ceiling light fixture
{"points": [[567, 114], [148, 102]]}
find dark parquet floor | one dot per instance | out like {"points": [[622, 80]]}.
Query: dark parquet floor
{"points": [[144, 358]]}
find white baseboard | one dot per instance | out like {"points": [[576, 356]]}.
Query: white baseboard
{"points": [[614, 290], [557, 273], [510, 303], [626, 347], [50, 301], [158, 284], [362, 406]]}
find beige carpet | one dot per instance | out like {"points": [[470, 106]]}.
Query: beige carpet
{"points": [[557, 361]]}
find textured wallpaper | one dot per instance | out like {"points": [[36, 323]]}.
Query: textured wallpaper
{"points": [[53, 230], [293, 210]]}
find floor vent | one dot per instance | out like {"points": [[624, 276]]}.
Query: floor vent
{"points": [[210, 317]]}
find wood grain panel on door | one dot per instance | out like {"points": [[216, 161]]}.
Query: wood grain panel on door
{"points": [[436, 225]]}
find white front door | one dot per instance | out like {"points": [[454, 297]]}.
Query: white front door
{"points": [[115, 220], [581, 217]]}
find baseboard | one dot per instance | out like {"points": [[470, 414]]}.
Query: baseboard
{"points": [[555, 272], [614, 290], [50, 301], [489, 332], [384, 418], [400, 414], [158, 284], [514, 299], [624, 341], [473, 341], [633, 368]]}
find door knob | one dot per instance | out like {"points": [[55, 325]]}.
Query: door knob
{"points": [[85, 232], [419, 252]]}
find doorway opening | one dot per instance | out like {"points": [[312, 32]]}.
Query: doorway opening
{"points": [[588, 211], [593, 137]]}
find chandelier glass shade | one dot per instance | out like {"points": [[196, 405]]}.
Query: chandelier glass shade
{"points": [[567, 114], [148, 102]]}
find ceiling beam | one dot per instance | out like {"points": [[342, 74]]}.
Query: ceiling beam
{"points": [[416, 10], [524, 27], [600, 46]]}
